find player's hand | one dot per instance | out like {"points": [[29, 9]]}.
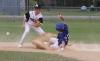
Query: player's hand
{"points": [[60, 17], [36, 23]]}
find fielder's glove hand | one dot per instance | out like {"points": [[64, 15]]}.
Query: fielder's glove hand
{"points": [[37, 23], [60, 17]]}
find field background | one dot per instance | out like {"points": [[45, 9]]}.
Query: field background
{"points": [[25, 56], [80, 30], [84, 30], [70, 12]]}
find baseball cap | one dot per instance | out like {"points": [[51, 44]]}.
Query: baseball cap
{"points": [[36, 6], [60, 26]]}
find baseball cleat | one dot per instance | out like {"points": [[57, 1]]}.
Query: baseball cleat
{"points": [[20, 46]]}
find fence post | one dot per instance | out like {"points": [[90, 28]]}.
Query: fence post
{"points": [[26, 5]]}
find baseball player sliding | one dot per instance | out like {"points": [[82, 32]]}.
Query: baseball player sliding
{"points": [[59, 42], [62, 38], [33, 19]]}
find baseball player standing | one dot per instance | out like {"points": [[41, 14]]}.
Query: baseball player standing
{"points": [[33, 19]]}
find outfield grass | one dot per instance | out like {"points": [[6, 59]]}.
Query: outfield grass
{"points": [[86, 31], [35, 56]]}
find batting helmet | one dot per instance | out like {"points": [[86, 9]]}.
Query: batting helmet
{"points": [[37, 6], [60, 26]]}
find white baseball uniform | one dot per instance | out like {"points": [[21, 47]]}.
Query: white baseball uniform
{"points": [[29, 24], [54, 42]]}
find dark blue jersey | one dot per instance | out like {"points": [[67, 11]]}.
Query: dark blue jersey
{"points": [[63, 35]]}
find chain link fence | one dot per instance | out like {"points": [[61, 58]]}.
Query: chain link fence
{"points": [[19, 7], [11, 7]]}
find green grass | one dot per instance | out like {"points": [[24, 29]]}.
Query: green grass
{"points": [[14, 26], [35, 56], [86, 31]]}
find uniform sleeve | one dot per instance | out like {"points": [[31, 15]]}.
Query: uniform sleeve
{"points": [[27, 15], [32, 15]]}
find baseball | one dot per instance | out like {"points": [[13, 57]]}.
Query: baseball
{"points": [[7, 33]]}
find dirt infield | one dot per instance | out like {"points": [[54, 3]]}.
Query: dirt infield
{"points": [[85, 52]]}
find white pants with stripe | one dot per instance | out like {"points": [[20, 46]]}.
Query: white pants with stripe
{"points": [[54, 42]]}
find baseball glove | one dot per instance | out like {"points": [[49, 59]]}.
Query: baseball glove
{"points": [[37, 23]]}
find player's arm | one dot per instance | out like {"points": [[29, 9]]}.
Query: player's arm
{"points": [[26, 17], [38, 22], [60, 17]]}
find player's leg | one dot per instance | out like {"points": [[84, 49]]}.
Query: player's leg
{"points": [[39, 42], [40, 45], [62, 45], [27, 29], [53, 43]]}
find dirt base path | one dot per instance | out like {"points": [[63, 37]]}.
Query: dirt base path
{"points": [[85, 52]]}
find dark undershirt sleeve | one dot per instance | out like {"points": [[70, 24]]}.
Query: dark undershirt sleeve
{"points": [[41, 20], [27, 16]]}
